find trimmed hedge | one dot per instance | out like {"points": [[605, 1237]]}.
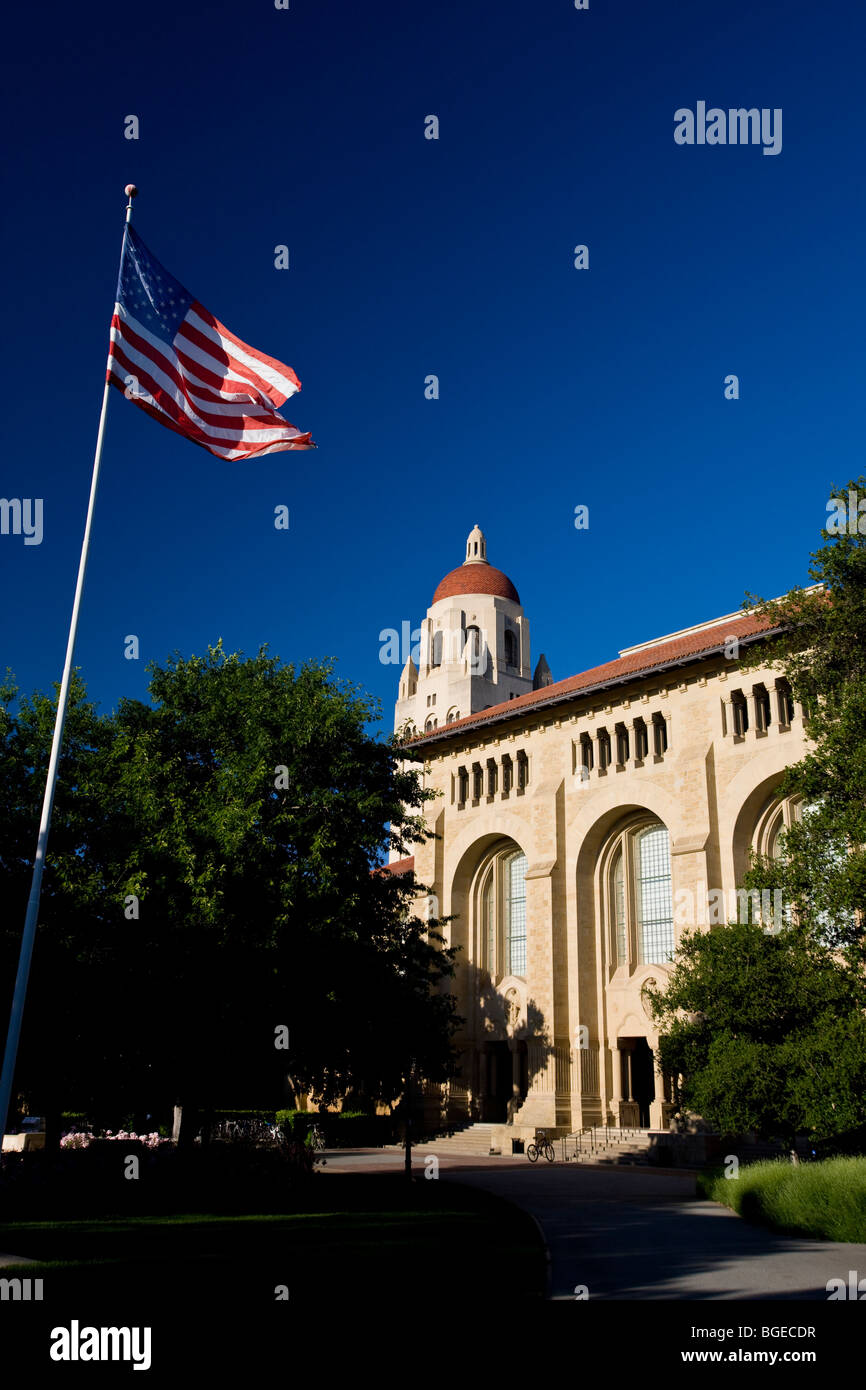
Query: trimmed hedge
{"points": [[344, 1129]]}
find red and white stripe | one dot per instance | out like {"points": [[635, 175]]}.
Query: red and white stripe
{"points": [[208, 386]]}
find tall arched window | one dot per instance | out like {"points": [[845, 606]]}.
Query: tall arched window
{"points": [[502, 935], [489, 924], [639, 900], [655, 902], [515, 915], [436, 655], [510, 649], [475, 652], [620, 924]]}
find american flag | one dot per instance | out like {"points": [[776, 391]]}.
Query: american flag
{"points": [[180, 364]]}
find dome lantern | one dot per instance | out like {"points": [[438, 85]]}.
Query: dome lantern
{"points": [[476, 547]]}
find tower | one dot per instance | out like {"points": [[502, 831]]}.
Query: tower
{"points": [[474, 647]]}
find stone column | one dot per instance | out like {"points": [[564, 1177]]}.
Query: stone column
{"points": [[516, 1098], [483, 1072], [729, 715], [657, 1116], [617, 1078], [538, 1110]]}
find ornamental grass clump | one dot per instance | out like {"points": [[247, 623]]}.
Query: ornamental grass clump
{"points": [[826, 1200]]}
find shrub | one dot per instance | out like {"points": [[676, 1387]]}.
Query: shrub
{"points": [[295, 1124]]}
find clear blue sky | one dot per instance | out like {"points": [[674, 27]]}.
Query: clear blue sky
{"points": [[408, 257]]}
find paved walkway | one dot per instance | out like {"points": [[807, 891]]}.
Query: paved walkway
{"points": [[631, 1233]]}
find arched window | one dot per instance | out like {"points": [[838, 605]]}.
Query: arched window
{"points": [[502, 936], [620, 925], [473, 653], [510, 648], [776, 818], [436, 655], [490, 925], [638, 898], [515, 915], [655, 902]]}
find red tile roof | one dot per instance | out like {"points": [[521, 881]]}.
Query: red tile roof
{"points": [[476, 579], [399, 866], [634, 664]]}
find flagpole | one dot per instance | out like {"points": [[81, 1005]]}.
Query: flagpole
{"points": [[29, 935]]}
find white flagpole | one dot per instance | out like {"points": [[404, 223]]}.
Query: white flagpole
{"points": [[15, 1018]]}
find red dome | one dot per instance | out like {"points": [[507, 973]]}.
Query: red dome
{"points": [[476, 579]]}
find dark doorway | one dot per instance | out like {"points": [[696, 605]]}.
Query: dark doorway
{"points": [[499, 1082], [523, 1057], [643, 1089]]}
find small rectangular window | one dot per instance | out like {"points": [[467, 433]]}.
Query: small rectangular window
{"points": [[586, 757], [462, 786], [641, 740], [740, 714], [492, 777], [477, 782], [785, 701], [763, 716], [507, 775], [660, 735], [522, 771], [622, 745], [603, 750]]}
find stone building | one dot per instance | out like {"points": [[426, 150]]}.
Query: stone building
{"points": [[582, 824]]}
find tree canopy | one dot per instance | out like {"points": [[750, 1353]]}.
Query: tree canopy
{"points": [[767, 1031], [214, 890]]}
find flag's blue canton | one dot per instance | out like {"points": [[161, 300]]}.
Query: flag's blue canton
{"points": [[149, 293]]}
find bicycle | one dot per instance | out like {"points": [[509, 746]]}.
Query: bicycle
{"points": [[541, 1147], [316, 1140]]}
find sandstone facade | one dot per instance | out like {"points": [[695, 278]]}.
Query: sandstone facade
{"points": [[582, 825]]}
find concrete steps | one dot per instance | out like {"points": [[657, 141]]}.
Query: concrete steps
{"points": [[619, 1154], [612, 1148], [476, 1140]]}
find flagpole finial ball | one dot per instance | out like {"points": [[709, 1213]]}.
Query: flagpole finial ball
{"points": [[131, 191]]}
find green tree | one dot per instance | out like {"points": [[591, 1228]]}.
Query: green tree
{"points": [[72, 1023], [767, 1032], [245, 812]]}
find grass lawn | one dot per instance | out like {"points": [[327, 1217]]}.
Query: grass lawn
{"points": [[826, 1199], [360, 1238]]}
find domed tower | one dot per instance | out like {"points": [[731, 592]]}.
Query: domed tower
{"points": [[474, 648]]}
